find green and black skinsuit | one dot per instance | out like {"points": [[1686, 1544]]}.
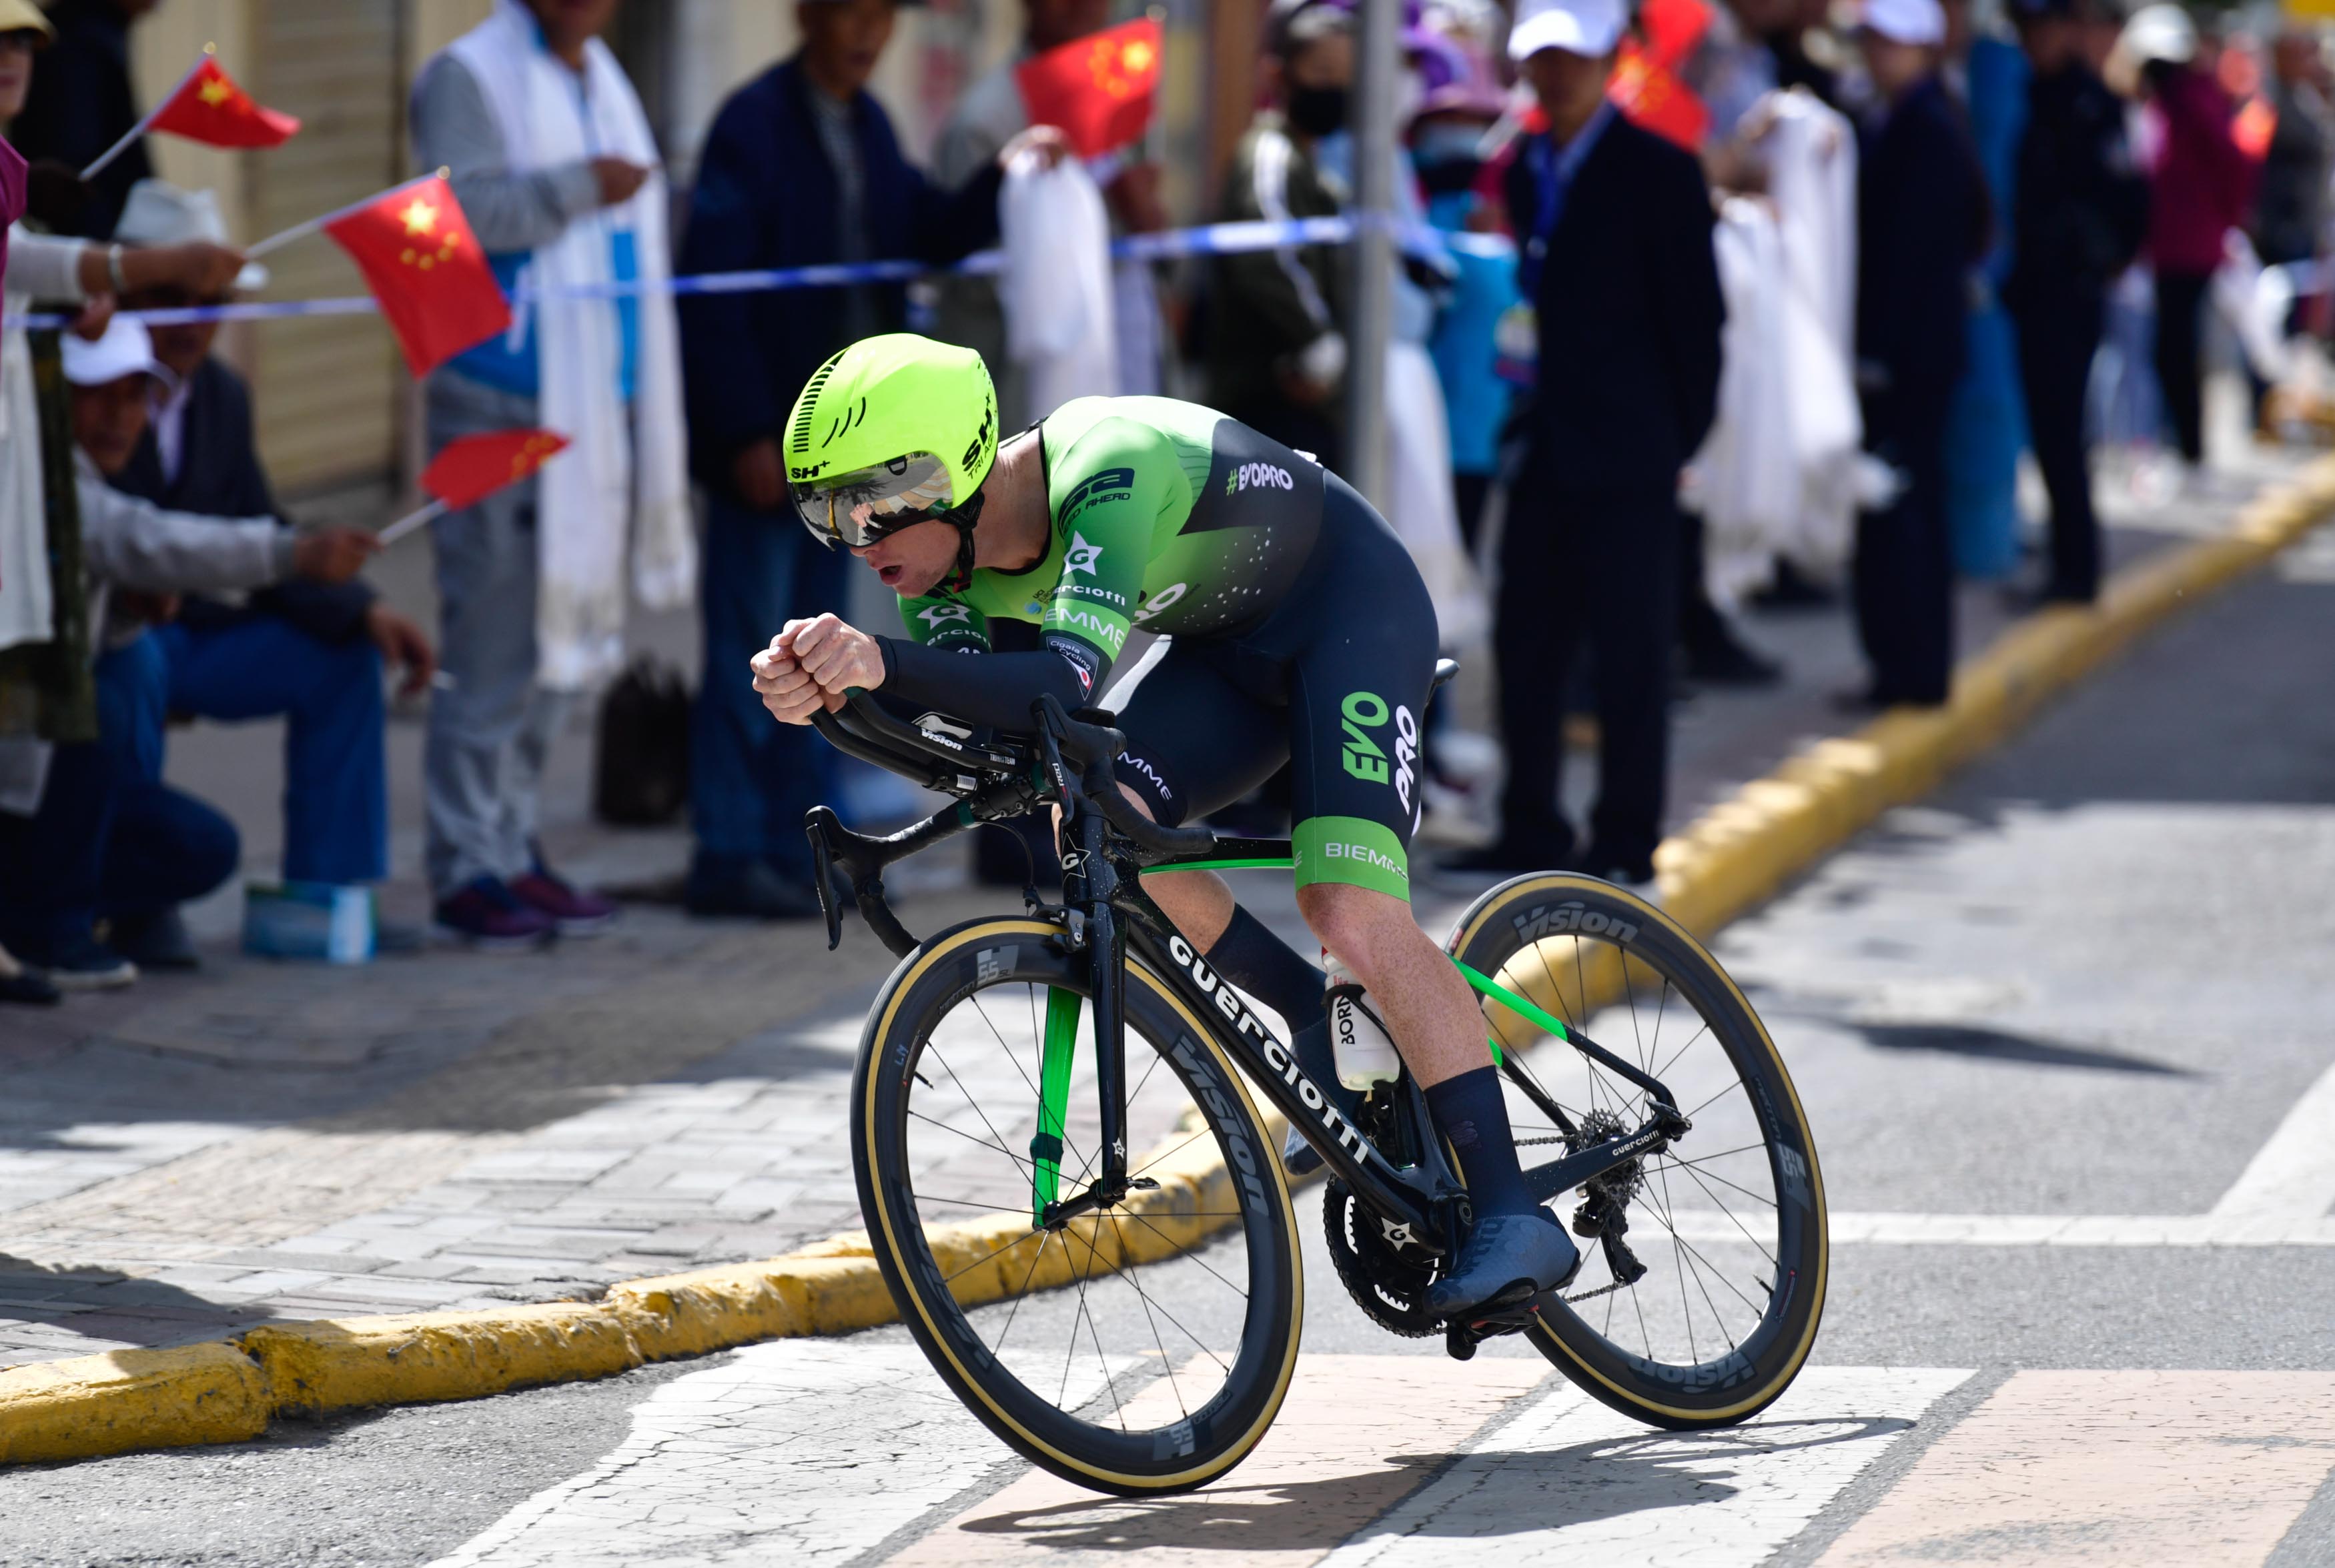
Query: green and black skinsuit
{"points": [[1298, 628]]}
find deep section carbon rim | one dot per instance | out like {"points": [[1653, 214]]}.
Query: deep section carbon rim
{"points": [[1138, 1348]]}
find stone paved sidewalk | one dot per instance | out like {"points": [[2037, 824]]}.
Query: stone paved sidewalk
{"points": [[262, 1140]]}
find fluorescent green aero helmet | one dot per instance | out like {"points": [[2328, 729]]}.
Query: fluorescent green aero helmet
{"points": [[894, 431]]}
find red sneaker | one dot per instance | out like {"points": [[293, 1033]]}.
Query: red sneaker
{"points": [[576, 913]]}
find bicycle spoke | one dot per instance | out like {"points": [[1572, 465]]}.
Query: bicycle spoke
{"points": [[1021, 1295], [1023, 1165], [1714, 1176], [1144, 1297]]}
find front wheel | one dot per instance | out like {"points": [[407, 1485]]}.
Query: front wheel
{"points": [[1703, 1278], [1141, 1349]]}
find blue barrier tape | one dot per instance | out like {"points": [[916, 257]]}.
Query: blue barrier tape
{"points": [[1206, 239]]}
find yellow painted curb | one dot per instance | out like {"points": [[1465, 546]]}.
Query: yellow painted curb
{"points": [[1738, 854]]}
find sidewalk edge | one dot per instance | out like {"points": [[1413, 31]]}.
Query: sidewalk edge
{"points": [[1736, 854]]}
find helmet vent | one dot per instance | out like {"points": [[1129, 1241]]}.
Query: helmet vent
{"points": [[800, 437]]}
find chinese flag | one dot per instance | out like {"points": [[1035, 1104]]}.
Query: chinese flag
{"points": [[1651, 97], [475, 467], [416, 251], [210, 108], [1672, 28], [1098, 89]]}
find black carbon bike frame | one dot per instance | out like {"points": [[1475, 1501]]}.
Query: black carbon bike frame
{"points": [[1105, 913]]}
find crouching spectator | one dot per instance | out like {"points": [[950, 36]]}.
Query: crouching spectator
{"points": [[108, 840], [310, 652]]}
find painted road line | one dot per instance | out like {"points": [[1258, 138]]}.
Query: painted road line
{"points": [[1849, 1228], [2075, 1468], [809, 1451], [1572, 1482], [2291, 1177], [1357, 1433]]}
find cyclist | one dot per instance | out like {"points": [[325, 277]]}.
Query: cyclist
{"points": [[1300, 632]]}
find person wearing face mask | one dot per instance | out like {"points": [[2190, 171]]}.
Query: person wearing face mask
{"points": [[1276, 360]]}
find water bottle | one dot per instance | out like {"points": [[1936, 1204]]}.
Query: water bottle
{"points": [[1358, 1036]]}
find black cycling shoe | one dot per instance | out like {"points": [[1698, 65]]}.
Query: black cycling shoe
{"points": [[1508, 1259], [1310, 1046]]}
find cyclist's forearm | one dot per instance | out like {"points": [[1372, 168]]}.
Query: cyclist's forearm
{"points": [[992, 689]]}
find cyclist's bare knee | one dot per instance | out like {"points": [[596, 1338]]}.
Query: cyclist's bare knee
{"points": [[1364, 928]]}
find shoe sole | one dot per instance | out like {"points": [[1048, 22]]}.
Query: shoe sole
{"points": [[455, 936], [74, 983]]}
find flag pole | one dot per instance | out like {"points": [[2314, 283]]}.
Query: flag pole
{"points": [[302, 230], [147, 119], [409, 522]]}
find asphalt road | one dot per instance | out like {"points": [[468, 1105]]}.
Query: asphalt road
{"points": [[2091, 977]]}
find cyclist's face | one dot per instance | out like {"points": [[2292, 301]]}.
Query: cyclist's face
{"points": [[913, 561]]}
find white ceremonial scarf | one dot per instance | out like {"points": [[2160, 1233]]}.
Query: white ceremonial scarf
{"points": [[610, 472]]}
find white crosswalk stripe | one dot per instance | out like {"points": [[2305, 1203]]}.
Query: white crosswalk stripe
{"points": [[1570, 1481], [810, 1451]]}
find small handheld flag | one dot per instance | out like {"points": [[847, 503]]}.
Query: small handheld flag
{"points": [[425, 269], [1646, 91], [475, 467], [206, 106], [1098, 89]]}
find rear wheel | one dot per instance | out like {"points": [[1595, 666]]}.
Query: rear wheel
{"points": [[1144, 1348], [1704, 1280]]}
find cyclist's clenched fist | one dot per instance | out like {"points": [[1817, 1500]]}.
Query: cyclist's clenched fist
{"points": [[810, 665]]}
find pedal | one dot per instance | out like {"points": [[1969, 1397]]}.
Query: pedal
{"points": [[1460, 1343]]}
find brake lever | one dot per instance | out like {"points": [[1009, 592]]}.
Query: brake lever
{"points": [[822, 870]]}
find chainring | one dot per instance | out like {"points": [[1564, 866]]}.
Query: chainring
{"points": [[1388, 1287]]}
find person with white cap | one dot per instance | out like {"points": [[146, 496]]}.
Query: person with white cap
{"points": [[308, 651], [1613, 225], [1921, 227], [2201, 187], [100, 836]]}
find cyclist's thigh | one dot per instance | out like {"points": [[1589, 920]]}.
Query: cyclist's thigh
{"points": [[1195, 742], [1357, 686]]}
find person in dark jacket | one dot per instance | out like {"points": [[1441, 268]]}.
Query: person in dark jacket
{"points": [[1276, 357], [82, 103], [1922, 227], [1613, 226], [309, 650], [802, 168], [2200, 186], [2078, 221]]}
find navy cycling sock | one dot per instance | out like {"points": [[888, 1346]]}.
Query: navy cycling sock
{"points": [[1252, 957], [1475, 1122]]}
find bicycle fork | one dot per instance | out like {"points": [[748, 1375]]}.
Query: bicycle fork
{"points": [[1089, 883]]}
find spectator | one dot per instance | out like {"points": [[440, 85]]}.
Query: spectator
{"points": [[83, 103], [989, 115], [552, 160], [1447, 139], [1922, 221], [2076, 223], [1276, 360], [1986, 430], [2291, 212], [1615, 237], [106, 839], [308, 651], [801, 167], [2200, 186]]}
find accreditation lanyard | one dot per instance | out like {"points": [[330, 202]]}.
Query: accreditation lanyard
{"points": [[1553, 171], [1516, 337]]}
